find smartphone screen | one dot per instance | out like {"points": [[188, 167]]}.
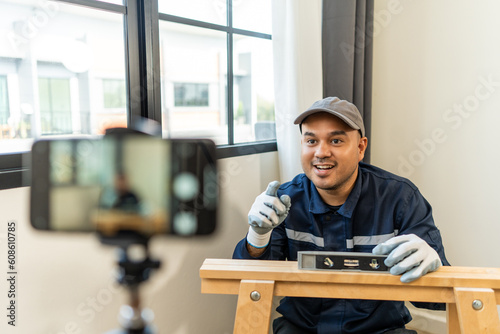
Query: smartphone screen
{"points": [[134, 183]]}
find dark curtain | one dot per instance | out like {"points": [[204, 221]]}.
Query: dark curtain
{"points": [[347, 37]]}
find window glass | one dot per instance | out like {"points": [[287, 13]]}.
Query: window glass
{"points": [[212, 11], [253, 89], [55, 106], [191, 94], [4, 102], [54, 57], [194, 76], [114, 95], [253, 15]]}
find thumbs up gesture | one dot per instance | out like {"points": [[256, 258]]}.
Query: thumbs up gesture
{"points": [[267, 212]]}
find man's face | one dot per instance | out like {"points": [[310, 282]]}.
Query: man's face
{"points": [[330, 152]]}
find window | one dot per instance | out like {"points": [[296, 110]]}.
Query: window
{"points": [[253, 89], [192, 55], [78, 67], [216, 59], [54, 55]]}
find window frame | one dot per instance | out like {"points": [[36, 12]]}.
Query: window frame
{"points": [[141, 32]]}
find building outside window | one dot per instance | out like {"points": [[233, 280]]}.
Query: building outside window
{"points": [[4, 108], [190, 94], [114, 94], [232, 56], [67, 68], [55, 106], [54, 55]]}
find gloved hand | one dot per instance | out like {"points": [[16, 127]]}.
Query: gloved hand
{"points": [[410, 255], [267, 212]]}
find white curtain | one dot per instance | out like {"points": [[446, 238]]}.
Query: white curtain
{"points": [[298, 80]]}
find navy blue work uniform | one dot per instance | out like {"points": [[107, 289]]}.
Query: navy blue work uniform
{"points": [[380, 206]]}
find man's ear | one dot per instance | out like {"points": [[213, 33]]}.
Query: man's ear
{"points": [[362, 145]]}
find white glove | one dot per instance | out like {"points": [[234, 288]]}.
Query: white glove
{"points": [[267, 212], [410, 255]]}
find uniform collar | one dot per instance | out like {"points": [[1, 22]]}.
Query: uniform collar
{"points": [[318, 206]]}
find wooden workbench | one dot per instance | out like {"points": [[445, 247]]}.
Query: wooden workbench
{"points": [[471, 293]]}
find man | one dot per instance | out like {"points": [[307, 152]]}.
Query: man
{"points": [[342, 204]]}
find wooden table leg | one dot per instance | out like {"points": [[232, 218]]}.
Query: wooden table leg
{"points": [[253, 312], [452, 321], [477, 310]]}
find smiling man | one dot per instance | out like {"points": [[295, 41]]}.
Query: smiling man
{"points": [[342, 204], [331, 151]]}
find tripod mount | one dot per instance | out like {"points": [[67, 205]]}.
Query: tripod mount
{"points": [[133, 270]]}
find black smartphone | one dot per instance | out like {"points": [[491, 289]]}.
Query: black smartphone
{"points": [[137, 183]]}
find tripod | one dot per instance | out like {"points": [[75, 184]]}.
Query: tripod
{"points": [[132, 318]]}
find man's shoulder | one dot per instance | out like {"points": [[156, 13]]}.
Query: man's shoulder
{"points": [[376, 174]]}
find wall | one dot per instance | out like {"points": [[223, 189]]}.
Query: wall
{"points": [[65, 282], [436, 101]]}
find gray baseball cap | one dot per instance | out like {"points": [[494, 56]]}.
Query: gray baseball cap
{"points": [[343, 109]]}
